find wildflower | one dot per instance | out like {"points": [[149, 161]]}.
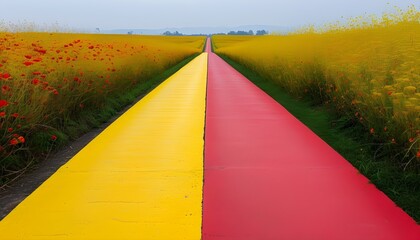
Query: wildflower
{"points": [[10, 130], [372, 131], [2, 114], [15, 115], [21, 139], [55, 92], [28, 63], [42, 51], [6, 75], [411, 140], [35, 81], [14, 142], [28, 56], [53, 137], [3, 103], [36, 73], [418, 154], [5, 88]]}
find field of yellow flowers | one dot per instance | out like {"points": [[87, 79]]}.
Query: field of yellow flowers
{"points": [[48, 81], [367, 71]]}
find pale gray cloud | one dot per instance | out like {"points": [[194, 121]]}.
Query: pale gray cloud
{"points": [[109, 14]]}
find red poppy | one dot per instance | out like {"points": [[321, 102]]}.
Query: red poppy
{"points": [[91, 47], [21, 139], [42, 51], [10, 130], [3, 103], [36, 73], [2, 114], [1, 65], [13, 142], [6, 75], [411, 140], [35, 81], [28, 56], [37, 60], [28, 63], [57, 51], [15, 115], [372, 130], [5, 88], [55, 92], [418, 154], [53, 137]]}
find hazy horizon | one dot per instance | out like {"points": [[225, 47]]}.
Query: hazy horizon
{"points": [[160, 14]]}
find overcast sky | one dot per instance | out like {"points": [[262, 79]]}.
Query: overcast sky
{"points": [[112, 14]]}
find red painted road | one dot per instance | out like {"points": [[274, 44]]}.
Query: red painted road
{"points": [[267, 176]]}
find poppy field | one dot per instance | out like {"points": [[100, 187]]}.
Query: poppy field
{"points": [[367, 71], [49, 81]]}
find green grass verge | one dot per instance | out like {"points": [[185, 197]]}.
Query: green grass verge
{"points": [[41, 144], [403, 187]]}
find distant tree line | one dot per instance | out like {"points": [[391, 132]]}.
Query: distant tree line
{"points": [[250, 32], [176, 33]]}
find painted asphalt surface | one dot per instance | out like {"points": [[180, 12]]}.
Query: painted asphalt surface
{"points": [[266, 175]]}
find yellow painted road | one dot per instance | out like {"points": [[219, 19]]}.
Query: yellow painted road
{"points": [[141, 178]]}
